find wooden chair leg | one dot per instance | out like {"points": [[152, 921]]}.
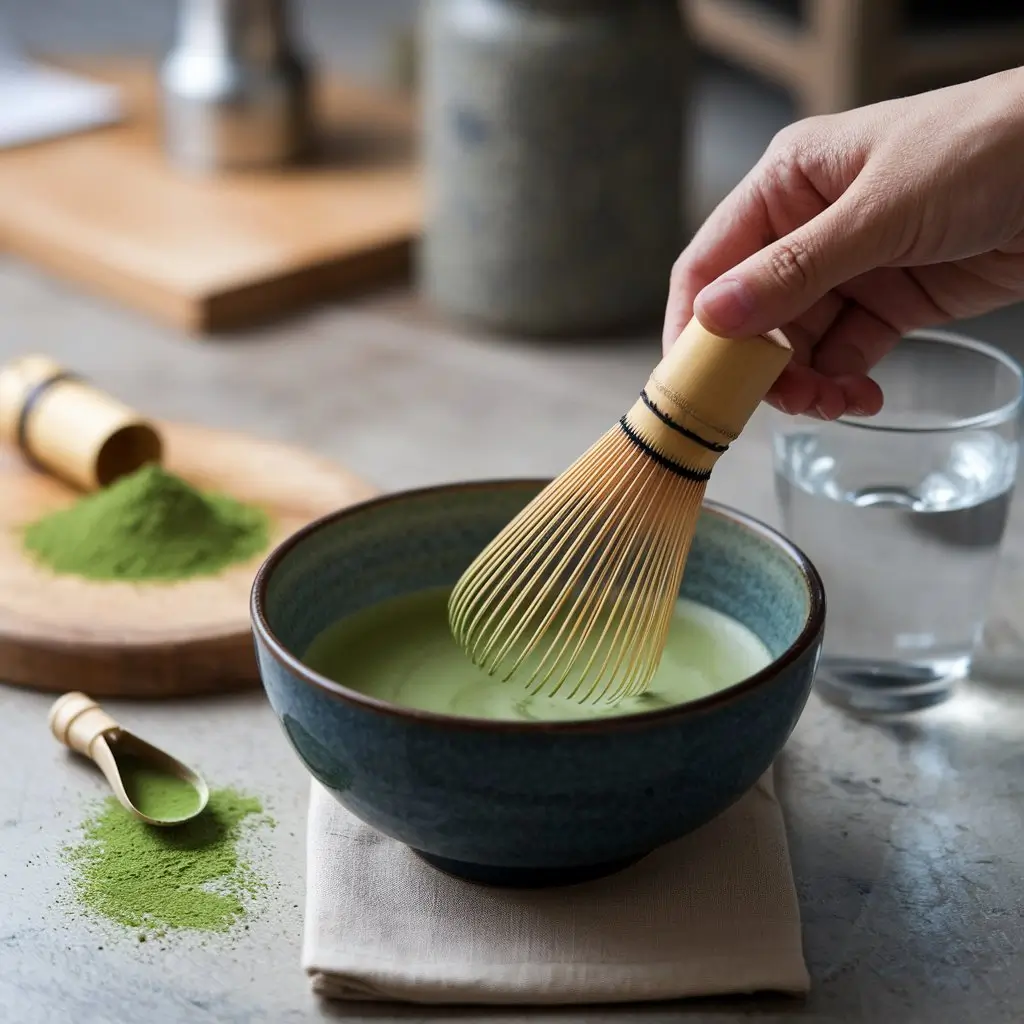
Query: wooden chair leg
{"points": [[852, 47]]}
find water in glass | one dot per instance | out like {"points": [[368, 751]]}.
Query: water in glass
{"points": [[905, 527]]}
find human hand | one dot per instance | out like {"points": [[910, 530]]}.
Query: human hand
{"points": [[855, 228]]}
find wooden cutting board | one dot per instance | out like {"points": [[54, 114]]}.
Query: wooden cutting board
{"points": [[106, 211], [152, 640]]}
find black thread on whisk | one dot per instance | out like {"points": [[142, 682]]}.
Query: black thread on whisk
{"points": [[698, 476], [711, 446]]}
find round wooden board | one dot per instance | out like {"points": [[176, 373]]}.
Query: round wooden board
{"points": [[61, 633]]}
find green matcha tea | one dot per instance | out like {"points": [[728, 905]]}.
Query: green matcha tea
{"points": [[154, 792], [402, 651]]}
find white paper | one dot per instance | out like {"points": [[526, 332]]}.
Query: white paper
{"points": [[38, 103]]}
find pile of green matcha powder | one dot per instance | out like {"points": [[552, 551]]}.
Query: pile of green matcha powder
{"points": [[150, 879], [150, 525]]}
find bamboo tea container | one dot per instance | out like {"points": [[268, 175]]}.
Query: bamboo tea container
{"points": [[64, 425]]}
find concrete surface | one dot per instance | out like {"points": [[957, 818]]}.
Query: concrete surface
{"points": [[906, 839]]}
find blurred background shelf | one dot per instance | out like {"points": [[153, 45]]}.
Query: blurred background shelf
{"points": [[105, 211], [758, 65], [837, 54]]}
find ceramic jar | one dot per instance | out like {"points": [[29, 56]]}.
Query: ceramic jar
{"points": [[554, 155]]}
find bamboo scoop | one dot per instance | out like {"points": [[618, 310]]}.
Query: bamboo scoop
{"points": [[580, 588], [81, 724]]}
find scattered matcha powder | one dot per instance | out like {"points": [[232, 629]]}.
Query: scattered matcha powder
{"points": [[152, 879], [150, 525]]}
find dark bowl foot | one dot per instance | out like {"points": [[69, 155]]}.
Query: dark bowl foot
{"points": [[525, 878]]}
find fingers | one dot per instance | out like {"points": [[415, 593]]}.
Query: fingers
{"points": [[854, 344], [829, 376], [737, 228], [739, 277], [881, 306], [781, 281], [807, 330], [802, 390], [795, 391], [863, 396]]}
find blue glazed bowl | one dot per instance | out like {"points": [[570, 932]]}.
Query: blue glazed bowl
{"points": [[527, 804]]}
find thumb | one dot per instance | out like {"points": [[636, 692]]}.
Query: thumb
{"points": [[783, 280]]}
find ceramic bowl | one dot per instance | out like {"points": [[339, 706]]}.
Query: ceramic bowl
{"points": [[527, 804]]}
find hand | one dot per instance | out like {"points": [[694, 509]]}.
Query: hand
{"points": [[855, 228]]}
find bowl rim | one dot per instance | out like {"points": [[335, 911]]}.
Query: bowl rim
{"points": [[812, 626]]}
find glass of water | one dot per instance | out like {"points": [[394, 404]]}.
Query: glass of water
{"points": [[903, 514]]}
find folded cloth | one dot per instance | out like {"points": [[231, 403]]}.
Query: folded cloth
{"points": [[714, 913]]}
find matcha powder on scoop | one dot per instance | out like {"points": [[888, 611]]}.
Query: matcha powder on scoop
{"points": [[151, 880], [150, 525]]}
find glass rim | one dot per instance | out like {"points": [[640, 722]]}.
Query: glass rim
{"points": [[1004, 413]]}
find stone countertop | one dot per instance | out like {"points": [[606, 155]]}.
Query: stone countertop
{"points": [[905, 838]]}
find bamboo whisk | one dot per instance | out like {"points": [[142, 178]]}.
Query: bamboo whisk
{"points": [[580, 587]]}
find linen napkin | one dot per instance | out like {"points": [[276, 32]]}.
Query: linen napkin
{"points": [[712, 914]]}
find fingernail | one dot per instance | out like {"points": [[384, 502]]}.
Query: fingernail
{"points": [[821, 412], [725, 305]]}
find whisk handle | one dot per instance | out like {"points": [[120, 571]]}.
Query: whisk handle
{"points": [[713, 384]]}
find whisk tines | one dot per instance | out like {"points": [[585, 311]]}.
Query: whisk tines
{"points": [[576, 595]]}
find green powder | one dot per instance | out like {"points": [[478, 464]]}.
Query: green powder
{"points": [[155, 793], [152, 879], [149, 525]]}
